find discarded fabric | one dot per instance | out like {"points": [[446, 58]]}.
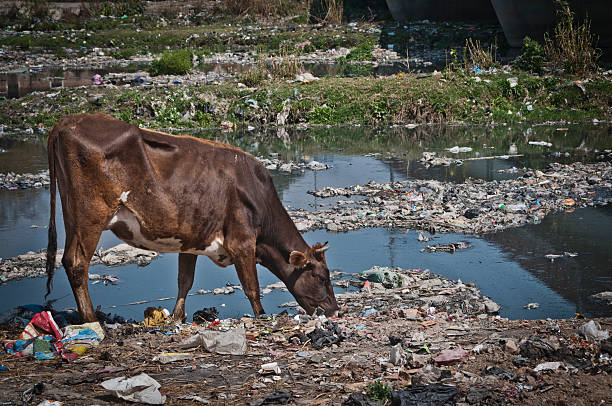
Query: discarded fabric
{"points": [[155, 317], [221, 342], [387, 277]]}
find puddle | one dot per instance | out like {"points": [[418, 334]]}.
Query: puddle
{"points": [[509, 266]]}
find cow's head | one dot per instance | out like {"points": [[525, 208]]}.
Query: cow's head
{"points": [[312, 284]]}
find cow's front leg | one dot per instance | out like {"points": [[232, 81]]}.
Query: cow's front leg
{"points": [[186, 268], [247, 273]]}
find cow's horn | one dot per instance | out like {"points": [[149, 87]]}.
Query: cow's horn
{"points": [[322, 249]]}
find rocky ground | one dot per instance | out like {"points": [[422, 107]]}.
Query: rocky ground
{"points": [[387, 342]]}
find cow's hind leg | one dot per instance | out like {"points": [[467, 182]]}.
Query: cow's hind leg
{"points": [[187, 263], [80, 247]]}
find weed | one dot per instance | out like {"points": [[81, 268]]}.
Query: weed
{"points": [[322, 115], [255, 76], [479, 56], [572, 46], [334, 11], [285, 65], [379, 391], [352, 70], [177, 62], [532, 57], [119, 8], [125, 53], [124, 115]]}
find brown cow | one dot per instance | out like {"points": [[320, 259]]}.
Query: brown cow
{"points": [[170, 193]]}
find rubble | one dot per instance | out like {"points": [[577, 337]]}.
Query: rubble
{"points": [[32, 264]]}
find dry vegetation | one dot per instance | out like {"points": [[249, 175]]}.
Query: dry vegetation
{"points": [[571, 46]]}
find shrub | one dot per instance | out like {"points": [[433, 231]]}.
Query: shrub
{"points": [[177, 62], [532, 56], [362, 52], [572, 46]]}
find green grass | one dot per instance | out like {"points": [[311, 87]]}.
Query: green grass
{"points": [[176, 62]]}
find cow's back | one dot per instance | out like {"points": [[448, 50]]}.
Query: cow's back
{"points": [[175, 186]]}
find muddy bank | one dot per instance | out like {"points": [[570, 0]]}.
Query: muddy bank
{"points": [[426, 332], [33, 264], [473, 207]]}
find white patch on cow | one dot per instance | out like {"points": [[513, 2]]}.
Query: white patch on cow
{"points": [[214, 251], [124, 196], [125, 216]]}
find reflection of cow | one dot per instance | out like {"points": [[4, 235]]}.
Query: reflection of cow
{"points": [[170, 193]]}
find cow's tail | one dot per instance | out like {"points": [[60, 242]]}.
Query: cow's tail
{"points": [[52, 245]]}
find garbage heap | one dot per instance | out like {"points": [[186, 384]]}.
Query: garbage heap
{"points": [[403, 337], [475, 206]]}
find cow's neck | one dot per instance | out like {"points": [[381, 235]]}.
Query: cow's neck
{"points": [[274, 251]]}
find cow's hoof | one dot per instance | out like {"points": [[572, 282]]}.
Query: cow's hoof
{"points": [[177, 319]]}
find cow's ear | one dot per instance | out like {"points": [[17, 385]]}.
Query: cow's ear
{"points": [[298, 259]]}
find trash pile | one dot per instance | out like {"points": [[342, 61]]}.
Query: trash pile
{"points": [[474, 207], [44, 338], [12, 181], [276, 164], [411, 293], [33, 264], [403, 335]]}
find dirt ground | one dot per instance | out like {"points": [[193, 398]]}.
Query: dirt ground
{"points": [[499, 366]]}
